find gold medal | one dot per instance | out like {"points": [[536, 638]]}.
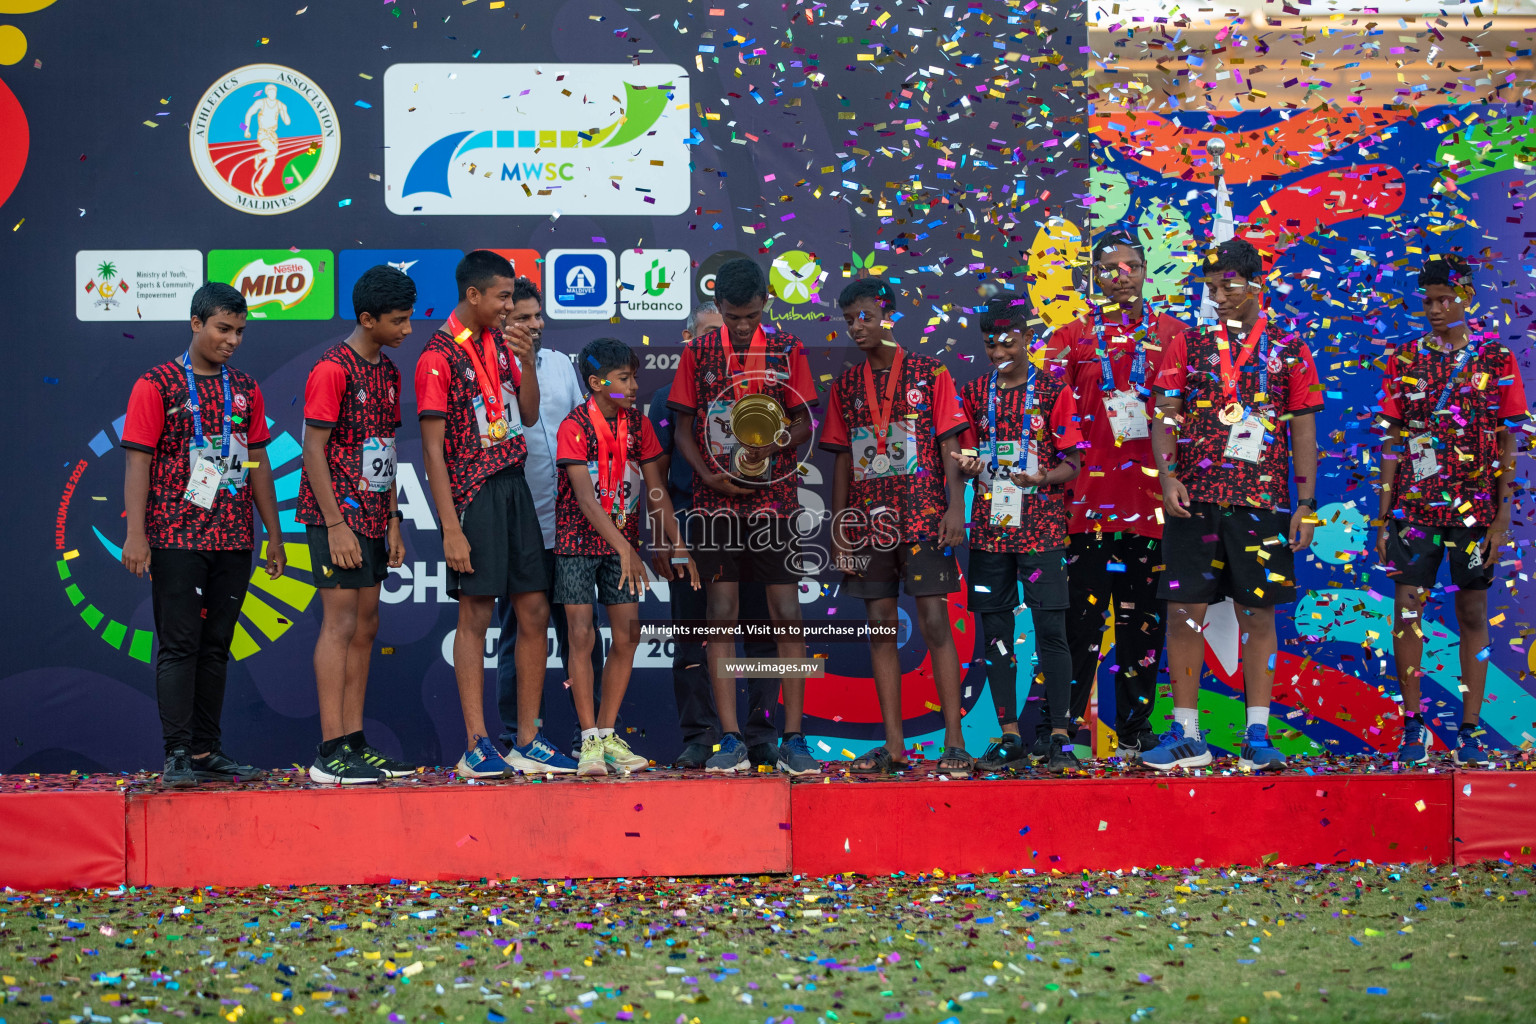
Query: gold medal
{"points": [[497, 429], [620, 519], [1231, 414]]}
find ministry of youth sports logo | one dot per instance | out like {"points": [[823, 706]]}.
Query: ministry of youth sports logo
{"points": [[265, 139]]}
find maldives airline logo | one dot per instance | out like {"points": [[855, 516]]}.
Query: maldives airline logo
{"points": [[265, 139], [530, 139]]}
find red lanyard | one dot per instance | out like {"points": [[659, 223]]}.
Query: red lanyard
{"points": [[488, 372], [612, 455], [750, 380], [1228, 370], [880, 414]]}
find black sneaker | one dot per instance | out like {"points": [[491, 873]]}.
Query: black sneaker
{"points": [[217, 767], [387, 766], [1130, 749], [178, 773], [693, 756], [763, 753], [1061, 758], [1041, 748], [344, 768], [1005, 755]]}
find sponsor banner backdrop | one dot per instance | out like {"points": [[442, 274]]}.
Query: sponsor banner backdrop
{"points": [[288, 152]]}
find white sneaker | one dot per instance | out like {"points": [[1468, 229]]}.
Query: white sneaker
{"points": [[619, 757], [592, 762]]}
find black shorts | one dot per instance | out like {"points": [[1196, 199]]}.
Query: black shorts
{"points": [[924, 568], [730, 549], [994, 580], [506, 546], [371, 573], [577, 576], [1228, 551], [1417, 549]]}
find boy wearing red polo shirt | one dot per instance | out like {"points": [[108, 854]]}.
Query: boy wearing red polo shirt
{"points": [[1025, 421], [473, 403], [1236, 407], [898, 508], [608, 456], [347, 504], [1449, 401], [195, 438], [742, 524], [1115, 533]]}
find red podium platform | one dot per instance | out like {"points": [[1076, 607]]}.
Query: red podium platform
{"points": [[69, 832]]}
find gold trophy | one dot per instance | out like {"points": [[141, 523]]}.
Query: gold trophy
{"points": [[756, 420]]}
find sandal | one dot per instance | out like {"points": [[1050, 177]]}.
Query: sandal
{"points": [[955, 762], [878, 762]]}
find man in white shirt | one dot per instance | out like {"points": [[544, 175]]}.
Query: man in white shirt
{"points": [[559, 392]]}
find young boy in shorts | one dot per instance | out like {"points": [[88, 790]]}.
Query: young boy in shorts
{"points": [[608, 453], [473, 403], [347, 505], [1236, 408], [742, 524], [195, 439], [1449, 401], [1025, 422], [898, 508]]}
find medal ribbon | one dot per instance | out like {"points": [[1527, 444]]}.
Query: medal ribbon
{"points": [[1461, 364], [880, 414], [748, 380], [196, 404], [612, 455], [1229, 390], [1027, 441], [1138, 375], [488, 372]]}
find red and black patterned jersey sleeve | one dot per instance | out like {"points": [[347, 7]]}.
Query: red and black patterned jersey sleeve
{"points": [[323, 393], [145, 421]]}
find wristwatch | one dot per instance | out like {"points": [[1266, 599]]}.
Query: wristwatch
{"points": [[397, 514], [1310, 503]]}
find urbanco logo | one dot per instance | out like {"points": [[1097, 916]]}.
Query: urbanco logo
{"points": [[531, 139], [655, 284], [265, 139]]}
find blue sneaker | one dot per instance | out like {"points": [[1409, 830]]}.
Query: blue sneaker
{"points": [[1258, 754], [1469, 750], [483, 761], [540, 757], [794, 757], [730, 756], [1415, 748], [1175, 750]]}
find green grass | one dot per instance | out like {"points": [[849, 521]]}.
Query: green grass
{"points": [[1346, 943]]}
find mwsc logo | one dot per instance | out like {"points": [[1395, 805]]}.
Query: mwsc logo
{"points": [[532, 139]]}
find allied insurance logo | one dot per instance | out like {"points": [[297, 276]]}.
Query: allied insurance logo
{"points": [[531, 139], [265, 139]]}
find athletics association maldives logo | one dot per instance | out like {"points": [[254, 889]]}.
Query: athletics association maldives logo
{"points": [[265, 139], [517, 139]]}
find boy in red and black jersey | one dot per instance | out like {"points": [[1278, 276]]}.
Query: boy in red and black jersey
{"points": [[745, 496], [1116, 528], [608, 455], [898, 508], [1025, 423], [1451, 403], [473, 401], [1236, 407], [347, 503], [195, 439]]}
